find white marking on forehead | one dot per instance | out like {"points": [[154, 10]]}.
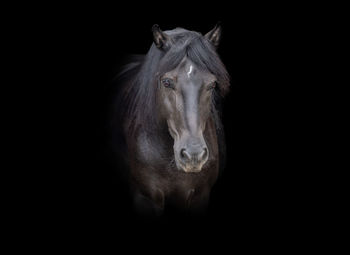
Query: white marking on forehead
{"points": [[189, 72]]}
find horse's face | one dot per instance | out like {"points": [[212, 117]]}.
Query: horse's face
{"points": [[185, 95]]}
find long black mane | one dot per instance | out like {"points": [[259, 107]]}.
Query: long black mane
{"points": [[139, 78]]}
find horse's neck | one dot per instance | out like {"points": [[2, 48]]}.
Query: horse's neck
{"points": [[150, 146]]}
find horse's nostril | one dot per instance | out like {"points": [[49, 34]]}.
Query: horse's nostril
{"points": [[205, 153], [184, 154]]}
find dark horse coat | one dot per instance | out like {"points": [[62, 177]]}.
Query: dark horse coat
{"points": [[168, 110]]}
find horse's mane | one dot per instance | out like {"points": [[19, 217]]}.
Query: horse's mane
{"points": [[137, 100]]}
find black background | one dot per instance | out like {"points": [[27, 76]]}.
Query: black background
{"points": [[262, 191]]}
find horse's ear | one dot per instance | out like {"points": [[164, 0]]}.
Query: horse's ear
{"points": [[159, 37], [214, 35]]}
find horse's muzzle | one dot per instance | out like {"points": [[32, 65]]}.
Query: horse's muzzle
{"points": [[192, 158]]}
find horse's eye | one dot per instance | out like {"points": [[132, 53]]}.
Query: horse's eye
{"points": [[213, 85], [168, 83]]}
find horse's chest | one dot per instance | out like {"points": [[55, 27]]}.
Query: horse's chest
{"points": [[176, 181]]}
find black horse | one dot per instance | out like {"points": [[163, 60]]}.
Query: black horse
{"points": [[169, 107]]}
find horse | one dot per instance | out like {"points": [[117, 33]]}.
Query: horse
{"points": [[169, 112]]}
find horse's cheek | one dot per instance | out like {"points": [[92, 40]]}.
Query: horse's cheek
{"points": [[170, 103]]}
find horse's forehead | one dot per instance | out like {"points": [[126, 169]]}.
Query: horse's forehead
{"points": [[189, 70], [187, 67]]}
